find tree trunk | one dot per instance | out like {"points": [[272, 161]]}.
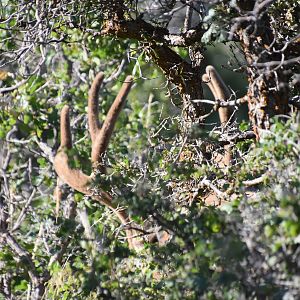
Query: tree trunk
{"points": [[268, 86], [184, 76]]}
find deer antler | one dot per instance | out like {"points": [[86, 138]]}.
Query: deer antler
{"points": [[100, 136], [101, 139], [221, 92]]}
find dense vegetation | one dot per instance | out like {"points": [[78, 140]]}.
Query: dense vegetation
{"points": [[214, 206]]}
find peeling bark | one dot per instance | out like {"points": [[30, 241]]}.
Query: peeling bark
{"points": [[268, 89]]}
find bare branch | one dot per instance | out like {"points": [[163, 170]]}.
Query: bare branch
{"points": [[141, 30], [218, 193], [255, 181], [239, 137], [22, 214], [14, 87], [278, 63], [222, 103]]}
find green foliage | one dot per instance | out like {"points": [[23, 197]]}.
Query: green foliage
{"points": [[210, 256], [247, 249]]}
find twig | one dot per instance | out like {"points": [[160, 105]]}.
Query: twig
{"points": [[219, 194], [47, 150], [24, 210], [221, 102], [278, 62], [14, 87], [118, 71], [16, 141], [240, 136], [255, 181]]}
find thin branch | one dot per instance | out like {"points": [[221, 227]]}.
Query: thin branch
{"points": [[219, 194], [15, 141], [255, 181], [277, 62], [222, 103], [14, 87], [23, 212], [118, 71], [46, 150], [239, 137]]}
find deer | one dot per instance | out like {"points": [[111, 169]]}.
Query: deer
{"points": [[100, 137]]}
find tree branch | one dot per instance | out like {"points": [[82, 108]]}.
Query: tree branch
{"points": [[239, 137], [140, 30], [22, 255]]}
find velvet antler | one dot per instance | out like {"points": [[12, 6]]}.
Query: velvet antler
{"points": [[100, 136], [220, 91], [103, 135]]}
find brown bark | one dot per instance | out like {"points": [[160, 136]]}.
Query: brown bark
{"points": [[181, 73], [185, 76], [268, 89], [140, 30]]}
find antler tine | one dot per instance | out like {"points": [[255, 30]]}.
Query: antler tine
{"points": [[220, 87], [73, 177], [220, 92], [207, 81], [65, 130], [101, 142], [93, 106]]}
